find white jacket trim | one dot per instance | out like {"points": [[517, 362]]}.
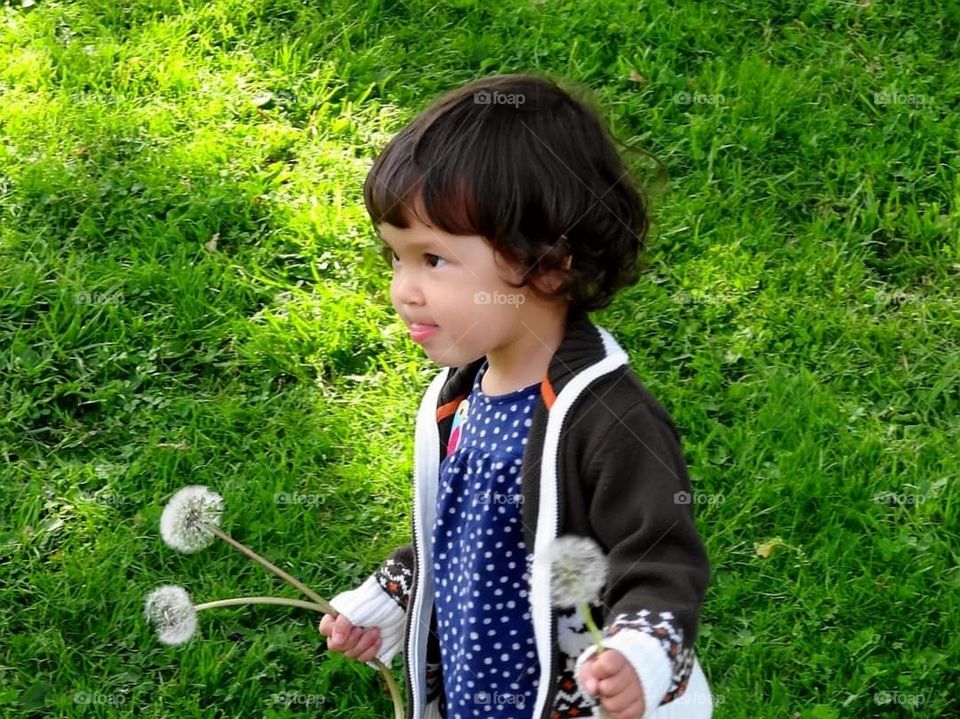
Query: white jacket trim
{"points": [[426, 470]]}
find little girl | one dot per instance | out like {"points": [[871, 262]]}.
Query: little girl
{"points": [[506, 215]]}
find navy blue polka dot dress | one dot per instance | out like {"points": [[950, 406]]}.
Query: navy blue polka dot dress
{"points": [[481, 563]]}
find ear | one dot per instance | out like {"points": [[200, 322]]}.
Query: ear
{"points": [[550, 281]]}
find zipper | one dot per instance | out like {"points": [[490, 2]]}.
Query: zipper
{"points": [[547, 516], [551, 696], [413, 612]]}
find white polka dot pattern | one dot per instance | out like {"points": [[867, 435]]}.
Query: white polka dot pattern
{"points": [[488, 650]]}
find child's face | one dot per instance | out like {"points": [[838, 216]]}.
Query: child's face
{"points": [[454, 283]]}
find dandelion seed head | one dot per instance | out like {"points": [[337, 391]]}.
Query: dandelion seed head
{"points": [[170, 609], [578, 570], [182, 524]]}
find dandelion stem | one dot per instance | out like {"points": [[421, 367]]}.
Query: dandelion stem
{"points": [[319, 604], [269, 566], [238, 601], [592, 626]]}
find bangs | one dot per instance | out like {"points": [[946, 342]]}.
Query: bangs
{"points": [[409, 193], [424, 174], [467, 169]]}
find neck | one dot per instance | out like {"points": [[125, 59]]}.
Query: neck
{"points": [[525, 358]]}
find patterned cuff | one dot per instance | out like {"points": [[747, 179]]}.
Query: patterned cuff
{"points": [[369, 606], [396, 580]]}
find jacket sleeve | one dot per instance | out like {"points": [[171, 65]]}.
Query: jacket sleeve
{"points": [[381, 601], [640, 511]]}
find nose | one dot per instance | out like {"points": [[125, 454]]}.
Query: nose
{"points": [[405, 288]]}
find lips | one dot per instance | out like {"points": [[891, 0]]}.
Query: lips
{"points": [[420, 331]]}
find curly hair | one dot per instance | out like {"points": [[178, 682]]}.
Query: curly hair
{"points": [[519, 161]]}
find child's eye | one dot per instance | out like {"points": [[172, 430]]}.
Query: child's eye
{"points": [[389, 256]]}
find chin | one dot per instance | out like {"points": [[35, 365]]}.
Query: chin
{"points": [[445, 359]]}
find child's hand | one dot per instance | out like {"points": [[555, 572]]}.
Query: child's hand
{"points": [[356, 642], [620, 691]]}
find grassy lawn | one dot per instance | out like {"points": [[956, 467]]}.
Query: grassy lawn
{"points": [[190, 293]]}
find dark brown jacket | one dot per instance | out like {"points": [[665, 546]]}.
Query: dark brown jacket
{"points": [[603, 459]]}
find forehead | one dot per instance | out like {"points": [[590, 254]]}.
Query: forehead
{"points": [[418, 235]]}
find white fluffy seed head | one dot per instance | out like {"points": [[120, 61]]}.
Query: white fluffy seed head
{"points": [[170, 609], [578, 570], [183, 519]]}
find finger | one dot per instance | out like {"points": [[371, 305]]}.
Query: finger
{"points": [[352, 638], [616, 684], [342, 628], [372, 652], [634, 709], [335, 643], [588, 675], [368, 640], [345, 642], [619, 703], [355, 635], [326, 625], [371, 641], [343, 624], [609, 663]]}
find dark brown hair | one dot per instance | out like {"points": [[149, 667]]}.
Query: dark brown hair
{"points": [[519, 161]]}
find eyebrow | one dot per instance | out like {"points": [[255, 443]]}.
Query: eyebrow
{"points": [[417, 245]]}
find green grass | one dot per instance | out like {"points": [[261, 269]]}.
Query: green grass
{"points": [[799, 320]]}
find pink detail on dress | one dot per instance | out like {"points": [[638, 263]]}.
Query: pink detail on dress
{"points": [[458, 419]]}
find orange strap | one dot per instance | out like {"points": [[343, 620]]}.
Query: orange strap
{"points": [[445, 410], [546, 391]]}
